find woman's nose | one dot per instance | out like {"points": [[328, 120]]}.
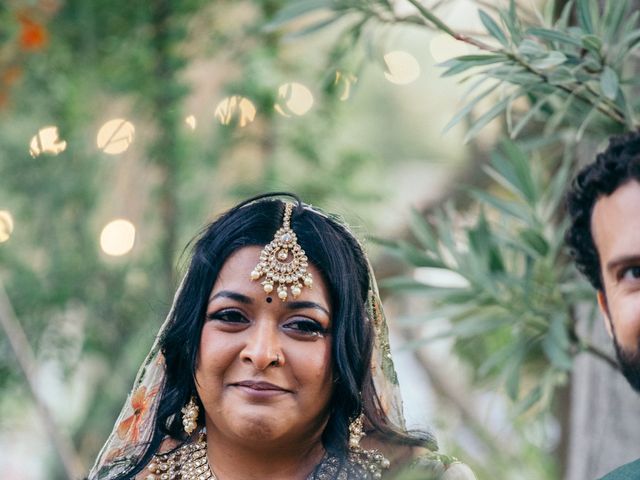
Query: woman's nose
{"points": [[263, 347]]}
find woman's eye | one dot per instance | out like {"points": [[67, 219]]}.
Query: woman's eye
{"points": [[631, 273], [307, 328], [228, 316]]}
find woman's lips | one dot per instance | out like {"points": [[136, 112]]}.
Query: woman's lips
{"points": [[259, 389]]}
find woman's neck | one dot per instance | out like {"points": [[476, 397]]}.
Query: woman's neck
{"points": [[237, 461]]}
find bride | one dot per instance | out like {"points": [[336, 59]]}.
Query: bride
{"points": [[273, 363]]}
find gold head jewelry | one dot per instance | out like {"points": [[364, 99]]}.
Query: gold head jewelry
{"points": [[283, 262]]}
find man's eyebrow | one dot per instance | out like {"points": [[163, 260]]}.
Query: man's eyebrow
{"points": [[623, 260], [238, 297], [298, 305]]}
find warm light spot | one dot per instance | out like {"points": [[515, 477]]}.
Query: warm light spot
{"points": [[235, 108], [115, 136], [117, 237], [47, 141], [293, 98], [402, 67], [6, 225], [191, 121], [344, 81], [444, 47]]}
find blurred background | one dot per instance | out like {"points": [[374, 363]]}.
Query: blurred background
{"points": [[126, 126]]}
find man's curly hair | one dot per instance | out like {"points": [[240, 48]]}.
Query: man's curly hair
{"points": [[618, 164]]}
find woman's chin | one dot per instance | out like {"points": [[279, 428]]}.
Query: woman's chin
{"points": [[254, 427]]}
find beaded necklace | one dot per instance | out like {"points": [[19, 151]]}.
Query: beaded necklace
{"points": [[189, 462]]}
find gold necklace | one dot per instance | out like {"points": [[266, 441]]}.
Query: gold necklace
{"points": [[189, 462]]}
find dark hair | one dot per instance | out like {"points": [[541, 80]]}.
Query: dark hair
{"points": [[618, 164], [338, 256]]}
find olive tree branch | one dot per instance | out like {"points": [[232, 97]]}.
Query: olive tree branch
{"points": [[597, 352], [607, 108]]}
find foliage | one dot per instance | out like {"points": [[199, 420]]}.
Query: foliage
{"points": [[565, 71], [514, 311], [554, 76]]}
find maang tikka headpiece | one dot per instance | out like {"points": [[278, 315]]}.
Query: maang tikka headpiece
{"points": [[283, 262]]}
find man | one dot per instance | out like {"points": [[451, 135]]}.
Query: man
{"points": [[604, 237]]}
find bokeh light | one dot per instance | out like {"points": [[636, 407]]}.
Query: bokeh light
{"points": [[6, 225], [117, 237], [191, 122], [115, 136], [402, 67], [236, 109], [47, 140], [293, 98], [344, 81]]}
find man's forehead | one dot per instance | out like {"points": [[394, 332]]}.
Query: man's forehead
{"points": [[615, 222]]}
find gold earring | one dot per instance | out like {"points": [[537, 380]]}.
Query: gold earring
{"points": [[356, 432], [371, 461], [190, 414]]}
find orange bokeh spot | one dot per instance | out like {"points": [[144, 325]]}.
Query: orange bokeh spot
{"points": [[33, 36]]}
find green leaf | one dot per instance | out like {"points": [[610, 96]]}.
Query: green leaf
{"points": [[592, 43], [461, 64], [512, 384], [554, 36], [498, 358], [553, 59], [518, 163], [314, 27], [464, 111], [507, 207], [529, 115], [555, 344], [493, 28], [492, 113], [613, 17], [563, 19], [294, 10], [480, 236], [584, 15], [609, 83], [531, 47], [627, 107], [411, 254], [472, 326], [629, 40], [422, 230], [532, 397], [535, 240], [561, 76], [585, 123], [510, 20]]}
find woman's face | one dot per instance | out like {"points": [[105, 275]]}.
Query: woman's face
{"points": [[248, 396]]}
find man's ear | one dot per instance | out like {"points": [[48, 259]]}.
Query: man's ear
{"points": [[604, 309]]}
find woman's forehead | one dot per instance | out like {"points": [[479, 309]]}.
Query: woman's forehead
{"points": [[235, 276]]}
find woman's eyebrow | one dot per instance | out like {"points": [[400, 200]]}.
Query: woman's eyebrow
{"points": [[238, 297], [297, 305]]}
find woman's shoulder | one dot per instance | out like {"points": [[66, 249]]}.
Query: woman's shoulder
{"points": [[413, 463]]}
